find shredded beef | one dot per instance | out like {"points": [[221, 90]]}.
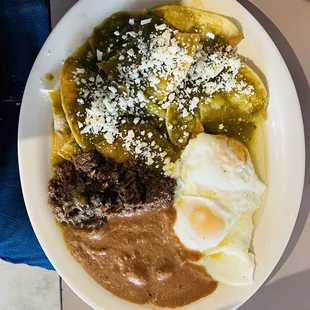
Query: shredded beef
{"points": [[91, 189]]}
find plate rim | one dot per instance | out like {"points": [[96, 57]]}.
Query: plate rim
{"points": [[301, 129]]}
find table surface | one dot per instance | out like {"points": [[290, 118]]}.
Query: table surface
{"points": [[288, 23]]}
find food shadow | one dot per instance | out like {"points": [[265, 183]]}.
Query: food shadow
{"points": [[285, 294]]}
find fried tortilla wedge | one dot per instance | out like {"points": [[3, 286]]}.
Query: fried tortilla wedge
{"points": [[181, 129], [144, 133], [254, 102], [154, 109], [242, 107], [86, 57], [74, 86], [69, 149], [115, 151], [104, 42], [190, 42], [61, 129], [149, 135], [188, 19]]}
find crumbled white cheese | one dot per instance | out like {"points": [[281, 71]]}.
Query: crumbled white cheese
{"points": [[161, 27], [211, 35], [194, 103], [109, 137], [132, 34], [80, 71], [185, 113], [146, 21], [99, 55], [131, 52], [112, 89], [171, 97]]}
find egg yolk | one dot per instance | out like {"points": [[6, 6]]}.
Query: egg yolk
{"points": [[206, 223]]}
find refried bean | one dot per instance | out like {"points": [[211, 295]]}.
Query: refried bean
{"points": [[140, 259]]}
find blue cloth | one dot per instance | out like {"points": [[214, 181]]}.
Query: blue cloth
{"points": [[24, 26]]}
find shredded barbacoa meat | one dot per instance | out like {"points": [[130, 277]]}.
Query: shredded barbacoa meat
{"points": [[86, 192]]}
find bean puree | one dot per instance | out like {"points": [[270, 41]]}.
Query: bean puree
{"points": [[140, 259]]}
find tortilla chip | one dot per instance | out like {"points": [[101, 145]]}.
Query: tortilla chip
{"points": [[188, 19], [104, 39], [115, 151], [61, 129], [253, 104], [76, 112], [222, 112], [155, 110], [190, 42], [69, 149], [145, 133], [177, 126]]}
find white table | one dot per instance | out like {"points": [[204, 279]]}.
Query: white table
{"points": [[288, 288]]}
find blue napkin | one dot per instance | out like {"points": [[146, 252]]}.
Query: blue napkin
{"points": [[24, 26]]}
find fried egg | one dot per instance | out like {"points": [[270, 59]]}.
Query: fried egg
{"points": [[202, 223], [231, 262], [217, 192]]}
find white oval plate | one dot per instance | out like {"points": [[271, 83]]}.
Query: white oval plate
{"points": [[285, 145]]}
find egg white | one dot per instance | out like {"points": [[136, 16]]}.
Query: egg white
{"points": [[218, 167], [231, 262], [215, 173]]}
